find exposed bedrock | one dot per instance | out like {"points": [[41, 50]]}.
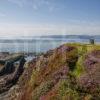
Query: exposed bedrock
{"points": [[7, 69], [9, 65], [10, 74]]}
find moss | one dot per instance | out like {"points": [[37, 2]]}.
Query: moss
{"points": [[79, 67]]}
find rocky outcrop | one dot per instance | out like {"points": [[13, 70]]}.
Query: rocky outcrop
{"points": [[9, 65], [7, 69], [10, 74]]}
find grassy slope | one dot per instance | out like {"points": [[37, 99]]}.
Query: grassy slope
{"points": [[42, 84], [83, 49]]}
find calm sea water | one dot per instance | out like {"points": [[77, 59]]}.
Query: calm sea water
{"points": [[37, 46]]}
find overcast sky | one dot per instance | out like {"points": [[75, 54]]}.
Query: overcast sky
{"points": [[46, 17]]}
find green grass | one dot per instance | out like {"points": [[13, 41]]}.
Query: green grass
{"points": [[83, 49]]}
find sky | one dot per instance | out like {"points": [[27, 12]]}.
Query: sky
{"points": [[49, 17]]}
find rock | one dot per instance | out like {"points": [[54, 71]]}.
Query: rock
{"points": [[7, 69], [10, 79]]}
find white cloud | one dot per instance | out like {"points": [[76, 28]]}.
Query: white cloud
{"points": [[35, 4], [19, 3]]}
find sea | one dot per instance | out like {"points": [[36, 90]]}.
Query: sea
{"points": [[39, 45]]}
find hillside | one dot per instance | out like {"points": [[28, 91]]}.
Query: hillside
{"points": [[69, 72]]}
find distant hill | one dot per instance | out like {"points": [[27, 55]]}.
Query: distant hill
{"points": [[73, 36], [45, 38]]}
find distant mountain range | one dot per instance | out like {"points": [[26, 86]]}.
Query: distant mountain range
{"points": [[46, 38], [73, 36]]}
